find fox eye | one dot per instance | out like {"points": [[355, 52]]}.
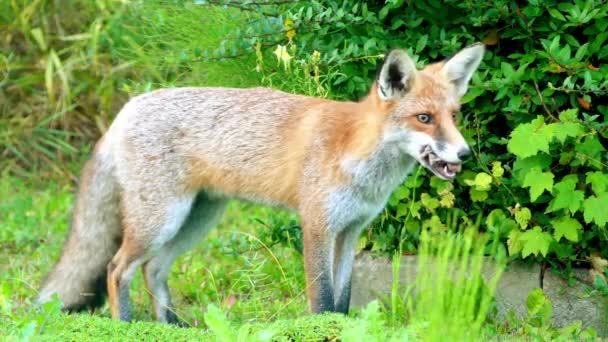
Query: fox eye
{"points": [[455, 116], [424, 118]]}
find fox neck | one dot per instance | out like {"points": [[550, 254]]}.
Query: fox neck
{"points": [[387, 163], [377, 175], [372, 180]]}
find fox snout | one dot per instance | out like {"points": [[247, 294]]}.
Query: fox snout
{"points": [[453, 153], [442, 157], [464, 153]]}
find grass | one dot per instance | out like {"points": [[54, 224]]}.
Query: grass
{"points": [[231, 266], [237, 284]]}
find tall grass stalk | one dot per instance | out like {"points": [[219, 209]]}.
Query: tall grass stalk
{"points": [[451, 299]]}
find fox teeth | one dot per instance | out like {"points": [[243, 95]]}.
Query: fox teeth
{"points": [[447, 171]]}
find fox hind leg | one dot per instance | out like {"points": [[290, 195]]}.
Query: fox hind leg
{"points": [[148, 225], [203, 216]]}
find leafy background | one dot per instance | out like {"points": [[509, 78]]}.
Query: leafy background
{"points": [[535, 114]]}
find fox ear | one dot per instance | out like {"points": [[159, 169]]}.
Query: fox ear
{"points": [[396, 76], [461, 66]]}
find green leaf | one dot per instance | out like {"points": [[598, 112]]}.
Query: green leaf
{"points": [[538, 182], [591, 147], [535, 301], [429, 202], [478, 195], [556, 14], [471, 95], [440, 185], [383, 12], [535, 241], [402, 209], [401, 193], [523, 216], [499, 223], [497, 169], [598, 181], [421, 43], [447, 200], [566, 227], [481, 182], [530, 138], [218, 323], [507, 70], [565, 195], [595, 209], [415, 209], [539, 305], [521, 167], [568, 115], [514, 242], [567, 129]]}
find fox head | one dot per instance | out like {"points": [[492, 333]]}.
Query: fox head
{"points": [[425, 104]]}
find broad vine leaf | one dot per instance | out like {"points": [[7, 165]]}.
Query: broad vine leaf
{"points": [[521, 167], [590, 148], [595, 209], [568, 115], [530, 138], [497, 169], [499, 223], [477, 195], [447, 200], [402, 209], [523, 216], [535, 241], [565, 195], [481, 182], [399, 194], [441, 186], [514, 242], [567, 227], [538, 182], [429, 202], [539, 305], [567, 129], [598, 181]]}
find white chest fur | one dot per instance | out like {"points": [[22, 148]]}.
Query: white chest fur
{"points": [[373, 180]]}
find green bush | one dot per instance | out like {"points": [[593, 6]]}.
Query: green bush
{"points": [[535, 114]]}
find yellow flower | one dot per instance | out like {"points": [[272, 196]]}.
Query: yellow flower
{"points": [[316, 56], [282, 55], [290, 29]]}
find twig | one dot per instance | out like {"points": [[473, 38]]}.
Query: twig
{"points": [[581, 91], [247, 6], [239, 3], [542, 101]]}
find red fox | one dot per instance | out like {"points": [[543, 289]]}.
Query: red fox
{"points": [[160, 177]]}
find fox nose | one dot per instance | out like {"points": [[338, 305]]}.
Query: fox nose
{"points": [[464, 153]]}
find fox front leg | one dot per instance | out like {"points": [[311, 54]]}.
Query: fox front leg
{"points": [[318, 264]]}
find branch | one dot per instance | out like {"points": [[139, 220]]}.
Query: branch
{"points": [[247, 6], [542, 101]]}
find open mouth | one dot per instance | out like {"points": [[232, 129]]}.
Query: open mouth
{"points": [[440, 167]]}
